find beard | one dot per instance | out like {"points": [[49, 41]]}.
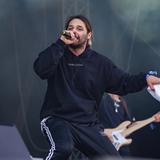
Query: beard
{"points": [[75, 46], [78, 45]]}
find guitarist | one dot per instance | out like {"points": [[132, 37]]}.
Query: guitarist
{"points": [[113, 111]]}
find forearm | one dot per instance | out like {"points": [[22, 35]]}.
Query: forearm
{"points": [[122, 83], [48, 60], [133, 83]]}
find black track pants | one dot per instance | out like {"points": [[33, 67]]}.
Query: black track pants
{"points": [[64, 136]]}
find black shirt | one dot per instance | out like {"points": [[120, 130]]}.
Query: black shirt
{"points": [[112, 113]]}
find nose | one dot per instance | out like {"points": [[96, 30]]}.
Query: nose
{"points": [[75, 34], [74, 31]]}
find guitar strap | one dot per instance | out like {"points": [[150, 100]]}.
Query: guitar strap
{"points": [[124, 104]]}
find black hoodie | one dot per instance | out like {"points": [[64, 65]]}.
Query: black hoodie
{"points": [[77, 83]]}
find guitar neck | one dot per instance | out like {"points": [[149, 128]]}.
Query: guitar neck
{"points": [[137, 125]]}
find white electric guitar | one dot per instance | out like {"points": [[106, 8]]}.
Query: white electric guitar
{"points": [[118, 135]]}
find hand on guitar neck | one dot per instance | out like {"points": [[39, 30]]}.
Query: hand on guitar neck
{"points": [[118, 135], [157, 117]]}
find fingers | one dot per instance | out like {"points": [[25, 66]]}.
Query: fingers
{"points": [[152, 80], [151, 86], [68, 37], [66, 34]]}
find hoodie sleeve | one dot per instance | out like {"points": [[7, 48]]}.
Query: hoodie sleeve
{"points": [[48, 59], [120, 82]]}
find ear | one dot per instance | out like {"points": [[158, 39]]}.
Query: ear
{"points": [[89, 38], [89, 35]]}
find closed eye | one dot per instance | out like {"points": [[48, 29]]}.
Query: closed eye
{"points": [[80, 28]]}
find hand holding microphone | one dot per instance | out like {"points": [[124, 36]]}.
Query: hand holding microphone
{"points": [[66, 34], [68, 37]]}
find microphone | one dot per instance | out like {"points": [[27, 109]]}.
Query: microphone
{"points": [[66, 34]]}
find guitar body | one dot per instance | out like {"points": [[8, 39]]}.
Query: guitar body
{"points": [[116, 135]]}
